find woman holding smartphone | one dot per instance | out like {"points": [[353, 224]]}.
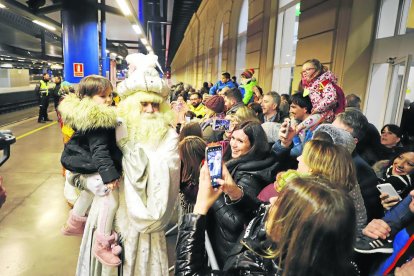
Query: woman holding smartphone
{"points": [[252, 166], [281, 239], [399, 173]]}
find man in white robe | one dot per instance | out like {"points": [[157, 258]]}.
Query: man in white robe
{"points": [[151, 166]]}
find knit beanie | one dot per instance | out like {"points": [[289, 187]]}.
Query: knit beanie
{"points": [[271, 130], [248, 74], [215, 103], [339, 136]]}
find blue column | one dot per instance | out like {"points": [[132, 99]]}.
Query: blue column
{"points": [[104, 62], [80, 38], [141, 12]]}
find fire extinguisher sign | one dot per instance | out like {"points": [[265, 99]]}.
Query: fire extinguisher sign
{"points": [[78, 70]]}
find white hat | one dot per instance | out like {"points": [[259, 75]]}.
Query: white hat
{"points": [[144, 78]]}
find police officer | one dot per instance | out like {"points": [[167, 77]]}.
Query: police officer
{"points": [[43, 93]]}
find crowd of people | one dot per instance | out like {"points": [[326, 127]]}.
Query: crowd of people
{"points": [[298, 188]]}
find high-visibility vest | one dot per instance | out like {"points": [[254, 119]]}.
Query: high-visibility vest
{"points": [[44, 88]]}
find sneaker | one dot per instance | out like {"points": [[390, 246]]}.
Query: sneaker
{"points": [[367, 245]]}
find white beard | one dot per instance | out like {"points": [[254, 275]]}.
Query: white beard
{"points": [[151, 128]]}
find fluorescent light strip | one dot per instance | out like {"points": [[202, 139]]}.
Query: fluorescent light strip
{"points": [[124, 7], [137, 29], [46, 26], [2, 6]]}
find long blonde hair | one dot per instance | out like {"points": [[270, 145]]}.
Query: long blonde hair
{"points": [[331, 161], [313, 226]]}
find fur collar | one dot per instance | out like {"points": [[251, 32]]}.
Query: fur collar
{"points": [[85, 114]]}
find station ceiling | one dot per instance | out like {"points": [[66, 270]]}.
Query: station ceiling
{"points": [[163, 23]]}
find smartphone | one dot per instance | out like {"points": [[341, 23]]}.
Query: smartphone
{"points": [[387, 188], [221, 124], [214, 156], [284, 133]]}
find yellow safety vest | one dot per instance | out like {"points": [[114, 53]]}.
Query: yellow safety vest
{"points": [[44, 88]]}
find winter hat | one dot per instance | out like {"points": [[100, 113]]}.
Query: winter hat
{"points": [[248, 74], [272, 131], [144, 79], [215, 103], [339, 136]]}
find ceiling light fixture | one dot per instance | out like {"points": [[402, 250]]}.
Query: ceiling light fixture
{"points": [[137, 29], [46, 26], [2, 6], [124, 7]]}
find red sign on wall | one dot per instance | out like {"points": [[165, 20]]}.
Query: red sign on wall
{"points": [[78, 70]]}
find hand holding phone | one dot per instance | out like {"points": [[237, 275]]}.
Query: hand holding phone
{"points": [[388, 189], [214, 156], [221, 124]]}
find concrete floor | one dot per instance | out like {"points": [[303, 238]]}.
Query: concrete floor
{"points": [[35, 210]]}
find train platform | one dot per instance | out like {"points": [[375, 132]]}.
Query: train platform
{"points": [[17, 89], [30, 239]]}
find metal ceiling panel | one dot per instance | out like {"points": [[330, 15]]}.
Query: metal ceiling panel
{"points": [[182, 13]]}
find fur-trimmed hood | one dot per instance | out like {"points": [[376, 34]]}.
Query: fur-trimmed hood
{"points": [[85, 114]]}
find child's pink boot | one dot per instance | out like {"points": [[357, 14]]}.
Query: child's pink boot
{"points": [[74, 226], [106, 249]]}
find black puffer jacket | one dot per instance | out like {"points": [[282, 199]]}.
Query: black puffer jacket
{"points": [[93, 146], [227, 221], [191, 257]]}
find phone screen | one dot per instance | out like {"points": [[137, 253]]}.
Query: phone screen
{"points": [[214, 162], [221, 124]]}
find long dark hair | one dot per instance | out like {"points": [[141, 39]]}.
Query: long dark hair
{"points": [[190, 129], [259, 147], [191, 151]]}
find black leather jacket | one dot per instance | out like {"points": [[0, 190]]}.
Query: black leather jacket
{"points": [[243, 259], [226, 220]]}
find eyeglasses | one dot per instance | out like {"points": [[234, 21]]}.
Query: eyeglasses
{"points": [[308, 69]]}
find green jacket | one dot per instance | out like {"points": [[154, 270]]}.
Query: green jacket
{"points": [[247, 91]]}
